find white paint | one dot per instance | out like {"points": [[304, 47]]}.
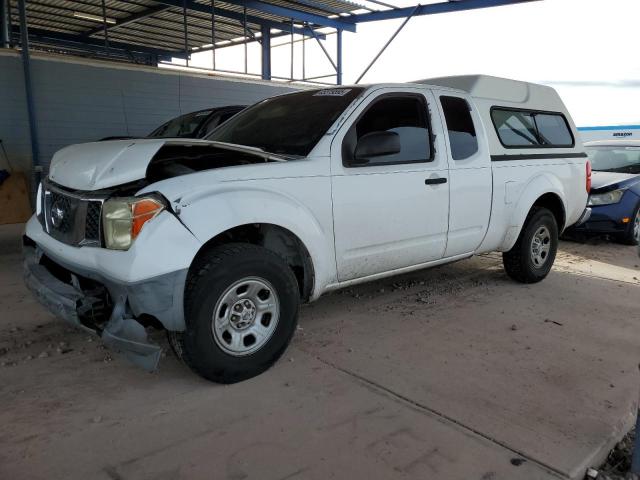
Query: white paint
{"points": [[356, 223]]}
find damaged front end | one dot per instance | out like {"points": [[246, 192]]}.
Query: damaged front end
{"points": [[95, 307]]}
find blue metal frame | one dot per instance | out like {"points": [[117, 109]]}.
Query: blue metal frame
{"points": [[219, 12], [130, 19], [435, 8], [345, 23], [266, 52], [384, 47], [339, 58], [4, 24], [31, 111], [96, 44]]}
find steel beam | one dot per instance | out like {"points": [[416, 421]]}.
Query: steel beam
{"points": [[339, 58], [435, 8], [335, 67], [28, 86], [266, 52], [219, 12], [395, 34], [130, 19], [345, 23], [78, 41]]}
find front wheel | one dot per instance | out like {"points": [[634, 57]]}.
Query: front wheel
{"points": [[241, 306], [532, 256]]}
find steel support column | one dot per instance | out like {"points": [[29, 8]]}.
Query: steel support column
{"points": [[266, 52], [26, 64], [4, 24], [339, 58]]}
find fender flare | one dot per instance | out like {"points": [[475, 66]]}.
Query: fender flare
{"points": [[211, 212], [538, 186]]}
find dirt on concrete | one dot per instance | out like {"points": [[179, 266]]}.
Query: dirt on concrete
{"points": [[454, 372]]}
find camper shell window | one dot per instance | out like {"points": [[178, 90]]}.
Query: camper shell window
{"points": [[519, 128]]}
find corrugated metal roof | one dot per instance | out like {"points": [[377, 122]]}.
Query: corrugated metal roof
{"points": [[157, 25]]}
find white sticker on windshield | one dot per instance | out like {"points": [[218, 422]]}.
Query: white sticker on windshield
{"points": [[202, 114], [332, 92]]}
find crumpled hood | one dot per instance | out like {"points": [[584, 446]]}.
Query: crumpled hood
{"points": [[606, 181], [98, 165]]}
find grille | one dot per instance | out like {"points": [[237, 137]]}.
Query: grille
{"points": [[70, 217], [92, 222], [61, 212]]}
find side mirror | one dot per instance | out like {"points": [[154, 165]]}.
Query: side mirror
{"points": [[376, 144]]}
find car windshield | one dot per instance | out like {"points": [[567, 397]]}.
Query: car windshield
{"points": [[615, 159], [182, 126], [288, 124]]}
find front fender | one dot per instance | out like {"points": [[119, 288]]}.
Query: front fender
{"points": [[524, 196], [213, 211]]}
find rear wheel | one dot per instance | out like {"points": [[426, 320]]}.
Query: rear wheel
{"points": [[632, 235], [532, 256], [241, 306]]}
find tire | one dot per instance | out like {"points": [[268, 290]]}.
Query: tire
{"points": [[254, 297], [632, 234], [521, 262]]}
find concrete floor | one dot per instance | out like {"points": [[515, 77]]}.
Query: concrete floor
{"points": [[454, 372]]}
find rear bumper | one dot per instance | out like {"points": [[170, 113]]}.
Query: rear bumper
{"points": [[103, 310]]}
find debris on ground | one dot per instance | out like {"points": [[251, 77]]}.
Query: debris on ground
{"points": [[618, 462]]}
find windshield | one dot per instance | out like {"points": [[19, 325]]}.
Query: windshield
{"points": [[615, 159], [182, 126], [288, 124]]}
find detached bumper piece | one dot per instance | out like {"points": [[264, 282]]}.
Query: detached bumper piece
{"points": [[90, 309]]}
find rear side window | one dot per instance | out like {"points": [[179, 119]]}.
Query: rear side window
{"points": [[462, 133], [553, 129], [531, 129]]}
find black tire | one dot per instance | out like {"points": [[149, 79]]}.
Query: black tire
{"points": [[518, 262], [628, 237], [208, 280]]}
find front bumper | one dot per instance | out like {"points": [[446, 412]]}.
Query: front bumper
{"points": [[607, 219], [98, 308]]}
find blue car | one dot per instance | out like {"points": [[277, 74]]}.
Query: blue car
{"points": [[615, 191]]}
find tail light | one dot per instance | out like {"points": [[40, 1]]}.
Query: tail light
{"points": [[588, 176]]}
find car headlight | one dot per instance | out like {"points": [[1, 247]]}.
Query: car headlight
{"points": [[608, 198], [123, 219]]}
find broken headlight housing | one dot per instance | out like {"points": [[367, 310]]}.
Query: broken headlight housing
{"points": [[607, 198], [123, 218]]}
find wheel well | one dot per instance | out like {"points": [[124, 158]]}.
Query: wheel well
{"points": [[277, 239], [553, 203]]}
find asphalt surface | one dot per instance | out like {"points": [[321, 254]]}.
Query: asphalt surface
{"points": [[454, 372]]}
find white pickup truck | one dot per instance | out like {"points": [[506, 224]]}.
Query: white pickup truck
{"points": [[217, 241]]}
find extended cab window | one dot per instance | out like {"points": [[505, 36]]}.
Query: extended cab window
{"points": [[531, 129], [400, 121], [462, 133]]}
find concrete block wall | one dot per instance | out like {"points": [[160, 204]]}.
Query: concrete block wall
{"points": [[78, 100]]}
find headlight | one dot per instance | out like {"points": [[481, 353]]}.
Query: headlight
{"points": [[606, 198], [123, 219]]}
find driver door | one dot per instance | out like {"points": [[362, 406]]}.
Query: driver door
{"points": [[390, 211]]}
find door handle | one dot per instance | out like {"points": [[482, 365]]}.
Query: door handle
{"points": [[435, 181]]}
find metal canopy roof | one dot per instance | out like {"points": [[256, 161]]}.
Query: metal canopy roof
{"points": [[152, 30]]}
